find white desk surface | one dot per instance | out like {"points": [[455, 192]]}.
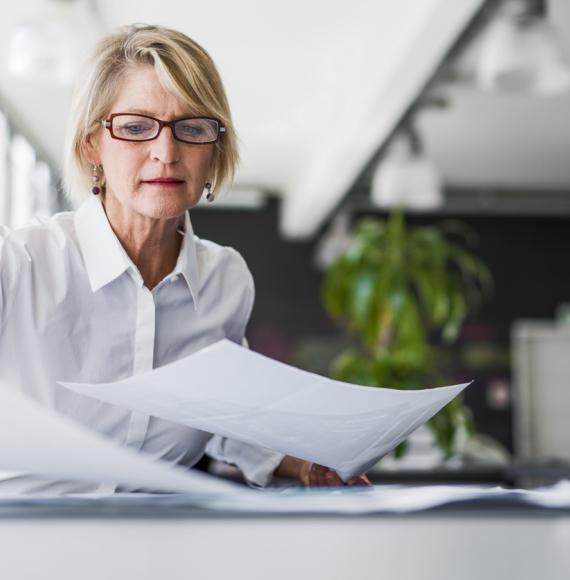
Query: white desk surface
{"points": [[460, 543]]}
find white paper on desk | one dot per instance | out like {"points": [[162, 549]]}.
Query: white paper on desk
{"points": [[359, 500], [390, 499], [37, 441], [344, 500], [394, 499], [231, 391]]}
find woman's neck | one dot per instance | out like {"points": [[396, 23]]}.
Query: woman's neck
{"points": [[152, 244]]}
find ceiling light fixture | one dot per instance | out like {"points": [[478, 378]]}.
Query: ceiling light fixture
{"points": [[521, 52], [406, 177], [50, 45], [334, 242]]}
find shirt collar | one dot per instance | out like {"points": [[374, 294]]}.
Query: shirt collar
{"points": [[106, 259]]}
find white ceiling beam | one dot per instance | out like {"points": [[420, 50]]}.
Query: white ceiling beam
{"points": [[416, 50]]}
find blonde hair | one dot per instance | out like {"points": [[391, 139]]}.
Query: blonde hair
{"points": [[184, 68]]}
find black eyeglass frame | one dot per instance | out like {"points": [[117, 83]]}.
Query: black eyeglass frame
{"points": [[108, 124]]}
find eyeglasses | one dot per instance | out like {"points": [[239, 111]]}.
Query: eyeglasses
{"points": [[131, 127]]}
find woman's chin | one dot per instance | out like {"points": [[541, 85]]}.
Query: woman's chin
{"points": [[165, 207]]}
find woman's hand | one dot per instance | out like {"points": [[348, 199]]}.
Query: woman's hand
{"points": [[315, 475]]}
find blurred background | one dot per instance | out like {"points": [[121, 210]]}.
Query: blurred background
{"points": [[453, 114]]}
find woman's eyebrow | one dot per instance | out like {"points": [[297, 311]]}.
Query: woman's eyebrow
{"points": [[151, 114], [139, 111]]}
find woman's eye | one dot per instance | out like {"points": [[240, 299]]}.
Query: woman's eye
{"points": [[191, 129], [135, 128]]}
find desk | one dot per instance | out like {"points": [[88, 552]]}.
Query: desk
{"points": [[157, 542]]}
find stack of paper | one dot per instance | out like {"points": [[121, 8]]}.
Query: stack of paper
{"points": [[223, 389], [36, 440]]}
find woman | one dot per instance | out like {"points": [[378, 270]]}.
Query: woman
{"points": [[122, 285]]}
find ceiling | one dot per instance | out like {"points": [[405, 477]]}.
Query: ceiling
{"points": [[499, 141], [316, 86]]}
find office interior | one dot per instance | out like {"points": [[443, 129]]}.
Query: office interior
{"points": [[451, 113]]}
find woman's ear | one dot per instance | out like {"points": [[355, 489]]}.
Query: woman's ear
{"points": [[90, 151]]}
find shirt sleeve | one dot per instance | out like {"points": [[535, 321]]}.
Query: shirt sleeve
{"points": [[256, 463]]}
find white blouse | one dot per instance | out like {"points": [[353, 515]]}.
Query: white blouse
{"points": [[73, 307]]}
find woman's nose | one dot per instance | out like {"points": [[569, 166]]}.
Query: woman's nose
{"points": [[165, 147]]}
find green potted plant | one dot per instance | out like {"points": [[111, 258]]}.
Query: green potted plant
{"points": [[393, 289]]}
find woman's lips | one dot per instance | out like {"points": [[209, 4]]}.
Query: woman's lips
{"points": [[166, 182]]}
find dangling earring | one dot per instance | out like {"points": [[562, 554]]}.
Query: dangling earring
{"points": [[209, 195], [95, 180]]}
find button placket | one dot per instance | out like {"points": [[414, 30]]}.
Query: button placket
{"points": [[143, 359]]}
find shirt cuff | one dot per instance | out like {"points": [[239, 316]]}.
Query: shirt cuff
{"points": [[257, 464]]}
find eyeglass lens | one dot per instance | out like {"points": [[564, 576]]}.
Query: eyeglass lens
{"points": [[137, 128]]}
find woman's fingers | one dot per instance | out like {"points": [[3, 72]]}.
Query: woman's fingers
{"points": [[317, 475], [359, 480], [321, 476], [333, 478]]}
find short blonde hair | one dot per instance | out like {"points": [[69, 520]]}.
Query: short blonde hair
{"points": [[184, 68]]}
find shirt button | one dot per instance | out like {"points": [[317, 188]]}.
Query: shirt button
{"points": [[173, 279]]}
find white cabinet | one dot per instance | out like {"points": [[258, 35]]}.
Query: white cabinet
{"points": [[541, 369]]}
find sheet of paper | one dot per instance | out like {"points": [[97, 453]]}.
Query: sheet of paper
{"points": [[396, 499], [349, 500], [37, 441], [391, 499], [232, 391]]}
